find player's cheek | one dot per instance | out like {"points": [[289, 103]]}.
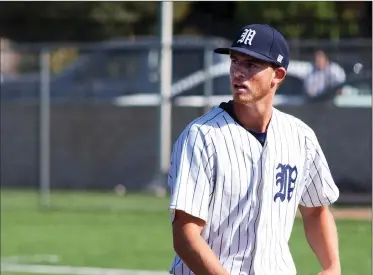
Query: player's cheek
{"points": [[232, 70]]}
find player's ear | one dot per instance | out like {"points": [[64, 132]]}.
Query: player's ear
{"points": [[278, 76]]}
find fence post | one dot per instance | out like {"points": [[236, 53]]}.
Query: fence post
{"points": [[44, 130], [208, 85], [165, 87]]}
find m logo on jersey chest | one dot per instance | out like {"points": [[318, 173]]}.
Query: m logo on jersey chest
{"points": [[285, 179]]}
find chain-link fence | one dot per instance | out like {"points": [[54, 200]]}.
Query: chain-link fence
{"points": [[85, 117]]}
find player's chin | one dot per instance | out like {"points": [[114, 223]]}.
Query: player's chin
{"points": [[242, 98]]}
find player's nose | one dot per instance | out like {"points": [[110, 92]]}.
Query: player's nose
{"points": [[236, 73]]}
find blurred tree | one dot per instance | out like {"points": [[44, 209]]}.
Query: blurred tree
{"points": [[81, 21], [84, 21], [204, 18], [302, 19], [318, 19], [77, 21]]}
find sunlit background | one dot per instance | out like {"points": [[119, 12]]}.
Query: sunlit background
{"points": [[93, 95]]}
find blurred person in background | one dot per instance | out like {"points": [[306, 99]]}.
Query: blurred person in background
{"points": [[9, 60], [324, 74]]}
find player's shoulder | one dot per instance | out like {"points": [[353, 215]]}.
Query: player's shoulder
{"points": [[204, 123], [302, 127]]}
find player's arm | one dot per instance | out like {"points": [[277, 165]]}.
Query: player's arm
{"points": [[192, 248], [321, 234], [319, 223], [191, 183]]}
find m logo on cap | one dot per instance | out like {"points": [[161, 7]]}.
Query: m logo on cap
{"points": [[247, 36]]}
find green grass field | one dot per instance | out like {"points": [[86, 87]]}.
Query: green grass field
{"points": [[106, 230]]}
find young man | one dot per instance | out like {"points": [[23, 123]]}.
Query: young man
{"points": [[239, 173]]}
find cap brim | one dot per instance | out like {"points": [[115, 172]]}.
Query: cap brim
{"points": [[245, 51]]}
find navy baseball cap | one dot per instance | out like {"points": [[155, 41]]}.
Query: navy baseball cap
{"points": [[262, 42]]}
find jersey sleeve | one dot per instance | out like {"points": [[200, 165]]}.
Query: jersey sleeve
{"points": [[320, 188], [190, 175]]}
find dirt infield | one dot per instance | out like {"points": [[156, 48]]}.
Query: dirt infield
{"points": [[362, 214]]}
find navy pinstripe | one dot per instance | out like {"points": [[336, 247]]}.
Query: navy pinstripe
{"points": [[220, 176]]}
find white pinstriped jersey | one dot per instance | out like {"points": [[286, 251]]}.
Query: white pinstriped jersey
{"points": [[248, 194]]}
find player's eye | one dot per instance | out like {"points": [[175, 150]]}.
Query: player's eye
{"points": [[251, 65]]}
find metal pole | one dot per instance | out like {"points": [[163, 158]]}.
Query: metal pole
{"points": [[208, 85], [165, 86], [44, 128]]}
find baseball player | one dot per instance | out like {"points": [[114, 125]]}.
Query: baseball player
{"points": [[239, 173]]}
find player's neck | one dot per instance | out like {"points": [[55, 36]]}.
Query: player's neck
{"points": [[255, 117]]}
